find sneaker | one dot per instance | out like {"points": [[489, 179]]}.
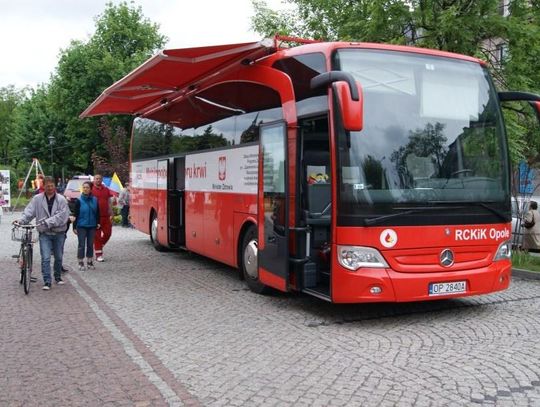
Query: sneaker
{"points": [[90, 265], [81, 266], [64, 270], [47, 286], [60, 282], [100, 259]]}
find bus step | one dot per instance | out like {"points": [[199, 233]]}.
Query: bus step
{"points": [[322, 292]]}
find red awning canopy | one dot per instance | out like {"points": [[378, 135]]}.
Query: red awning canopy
{"points": [[171, 75]]}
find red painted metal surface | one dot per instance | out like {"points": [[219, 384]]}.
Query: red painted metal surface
{"points": [[143, 201], [160, 88], [353, 287], [412, 237], [214, 221], [173, 75], [272, 280], [414, 262], [170, 76]]}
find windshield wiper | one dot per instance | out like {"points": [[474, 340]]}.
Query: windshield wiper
{"points": [[379, 219], [441, 205], [482, 204], [493, 210], [408, 211]]}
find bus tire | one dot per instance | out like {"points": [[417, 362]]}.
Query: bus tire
{"points": [[153, 233], [249, 262]]}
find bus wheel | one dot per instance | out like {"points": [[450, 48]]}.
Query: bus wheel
{"points": [[250, 268], [154, 232]]}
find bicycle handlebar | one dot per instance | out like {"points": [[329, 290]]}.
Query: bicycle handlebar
{"points": [[20, 225]]}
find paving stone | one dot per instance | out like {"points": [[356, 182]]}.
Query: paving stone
{"points": [[149, 328]]}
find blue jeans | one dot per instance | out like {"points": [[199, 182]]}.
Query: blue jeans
{"points": [[51, 243], [86, 241], [125, 215]]}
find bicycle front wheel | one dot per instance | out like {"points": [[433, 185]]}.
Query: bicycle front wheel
{"points": [[27, 268], [20, 262]]}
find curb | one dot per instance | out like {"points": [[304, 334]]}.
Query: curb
{"points": [[526, 274]]}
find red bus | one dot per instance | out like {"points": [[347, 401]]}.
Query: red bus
{"points": [[353, 172]]}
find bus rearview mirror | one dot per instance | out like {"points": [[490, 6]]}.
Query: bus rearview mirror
{"points": [[533, 99], [348, 94], [536, 107], [352, 111]]}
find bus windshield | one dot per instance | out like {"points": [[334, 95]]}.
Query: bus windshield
{"points": [[433, 136]]}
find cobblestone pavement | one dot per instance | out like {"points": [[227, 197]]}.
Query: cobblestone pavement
{"points": [[149, 328]]}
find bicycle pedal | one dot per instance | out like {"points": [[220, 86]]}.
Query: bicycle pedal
{"points": [[33, 279]]}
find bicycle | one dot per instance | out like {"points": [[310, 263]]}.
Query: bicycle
{"points": [[25, 234]]}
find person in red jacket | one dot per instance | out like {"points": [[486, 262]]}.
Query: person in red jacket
{"points": [[104, 196], [39, 184]]}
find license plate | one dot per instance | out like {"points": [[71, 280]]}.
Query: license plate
{"points": [[455, 287]]}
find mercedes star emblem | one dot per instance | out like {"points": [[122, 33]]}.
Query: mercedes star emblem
{"points": [[447, 258]]}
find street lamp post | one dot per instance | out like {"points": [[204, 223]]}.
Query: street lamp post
{"points": [[51, 142]]}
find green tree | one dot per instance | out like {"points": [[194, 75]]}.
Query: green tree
{"points": [[114, 141], [463, 26], [451, 25], [210, 139], [124, 38], [520, 70], [36, 121], [10, 101], [269, 22]]}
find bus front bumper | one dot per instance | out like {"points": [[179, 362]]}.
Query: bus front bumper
{"points": [[387, 285]]}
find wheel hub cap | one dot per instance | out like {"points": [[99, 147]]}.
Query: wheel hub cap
{"points": [[250, 259]]}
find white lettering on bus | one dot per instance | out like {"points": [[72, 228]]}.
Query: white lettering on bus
{"points": [[196, 171], [160, 173], [499, 234], [481, 233]]}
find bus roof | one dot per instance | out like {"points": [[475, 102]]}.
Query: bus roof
{"points": [[173, 75]]}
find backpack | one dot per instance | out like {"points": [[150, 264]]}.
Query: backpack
{"points": [[529, 225]]}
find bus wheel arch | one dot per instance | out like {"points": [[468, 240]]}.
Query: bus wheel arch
{"points": [[154, 227], [247, 259]]}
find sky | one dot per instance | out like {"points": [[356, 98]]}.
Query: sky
{"points": [[32, 32]]}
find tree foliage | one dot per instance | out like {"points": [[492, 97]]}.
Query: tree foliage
{"points": [[471, 27], [123, 39], [520, 70], [10, 101], [451, 25], [35, 123], [114, 141]]}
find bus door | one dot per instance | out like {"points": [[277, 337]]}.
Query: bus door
{"points": [[316, 203], [273, 196], [158, 230], [175, 202]]}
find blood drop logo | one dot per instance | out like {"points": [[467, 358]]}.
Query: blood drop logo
{"points": [[388, 238]]}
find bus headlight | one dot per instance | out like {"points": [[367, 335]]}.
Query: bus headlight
{"points": [[354, 257], [504, 252]]}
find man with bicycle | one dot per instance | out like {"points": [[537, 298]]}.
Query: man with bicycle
{"points": [[51, 212]]}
